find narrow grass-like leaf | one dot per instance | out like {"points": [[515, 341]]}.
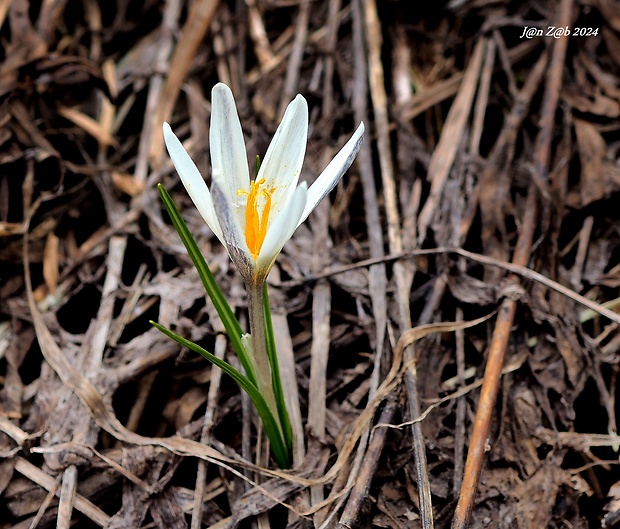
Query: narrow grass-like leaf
{"points": [[231, 324], [276, 381], [278, 445]]}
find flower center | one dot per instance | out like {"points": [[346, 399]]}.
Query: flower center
{"points": [[255, 224]]}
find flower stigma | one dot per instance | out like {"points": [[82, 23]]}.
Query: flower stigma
{"points": [[255, 224]]}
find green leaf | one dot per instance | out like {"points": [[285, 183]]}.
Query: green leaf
{"points": [[231, 324], [276, 381], [279, 449]]}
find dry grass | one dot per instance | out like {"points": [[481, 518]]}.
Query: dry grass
{"points": [[447, 298]]}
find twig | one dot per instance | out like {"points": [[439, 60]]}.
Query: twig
{"points": [[582, 251], [446, 150], [501, 334], [296, 56], [377, 280], [43, 507], [446, 89], [212, 398], [262, 48], [379, 102], [198, 20], [332, 24], [46, 481], [284, 346], [67, 497], [459, 236], [362, 468], [319, 349], [254, 75], [97, 333], [359, 493], [522, 271], [156, 85]]}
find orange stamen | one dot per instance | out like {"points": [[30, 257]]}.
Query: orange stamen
{"points": [[255, 225]]}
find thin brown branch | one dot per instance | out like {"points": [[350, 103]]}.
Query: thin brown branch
{"points": [[501, 334]]}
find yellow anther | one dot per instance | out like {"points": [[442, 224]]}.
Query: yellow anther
{"points": [[255, 224]]}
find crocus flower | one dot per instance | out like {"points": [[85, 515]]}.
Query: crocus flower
{"points": [[254, 219]]}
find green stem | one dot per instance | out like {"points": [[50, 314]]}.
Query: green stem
{"points": [[259, 344], [276, 381]]}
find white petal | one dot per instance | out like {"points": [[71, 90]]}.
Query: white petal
{"points": [[282, 163], [282, 228], [228, 154], [192, 180], [234, 237], [332, 174]]}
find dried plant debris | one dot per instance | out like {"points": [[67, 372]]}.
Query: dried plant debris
{"points": [[492, 129]]}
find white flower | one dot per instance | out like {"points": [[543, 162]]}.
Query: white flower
{"points": [[254, 219]]}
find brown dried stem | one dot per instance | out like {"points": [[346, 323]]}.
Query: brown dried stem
{"points": [[501, 334]]}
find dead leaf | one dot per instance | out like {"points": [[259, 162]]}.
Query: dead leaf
{"points": [[127, 183], [89, 125], [599, 104], [50, 262], [591, 147]]}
